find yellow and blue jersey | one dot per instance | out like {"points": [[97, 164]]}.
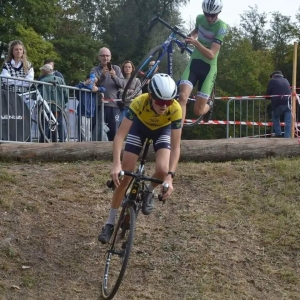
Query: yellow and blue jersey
{"points": [[141, 108]]}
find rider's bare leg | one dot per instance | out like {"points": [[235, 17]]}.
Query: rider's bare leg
{"points": [[184, 93], [201, 107]]}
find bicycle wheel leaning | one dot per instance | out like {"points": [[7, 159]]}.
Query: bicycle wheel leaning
{"points": [[117, 256], [142, 71], [53, 130]]}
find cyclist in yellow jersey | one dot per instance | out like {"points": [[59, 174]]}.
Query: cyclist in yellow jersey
{"points": [[155, 115]]}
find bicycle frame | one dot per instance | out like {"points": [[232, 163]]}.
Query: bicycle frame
{"points": [[168, 47], [124, 229], [137, 182], [52, 121]]}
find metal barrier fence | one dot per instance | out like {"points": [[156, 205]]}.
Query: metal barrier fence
{"points": [[250, 117], [38, 111], [47, 112]]}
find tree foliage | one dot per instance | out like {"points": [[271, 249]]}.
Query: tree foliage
{"points": [[73, 31], [253, 26]]}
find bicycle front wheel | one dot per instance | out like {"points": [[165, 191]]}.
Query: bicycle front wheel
{"points": [[117, 256], [142, 73], [53, 130]]}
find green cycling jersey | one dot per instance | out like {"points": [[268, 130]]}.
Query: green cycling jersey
{"points": [[208, 34]]}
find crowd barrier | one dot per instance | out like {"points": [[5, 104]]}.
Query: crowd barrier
{"points": [[27, 116], [21, 120], [248, 116]]}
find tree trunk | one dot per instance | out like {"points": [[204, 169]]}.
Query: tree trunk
{"points": [[203, 150]]}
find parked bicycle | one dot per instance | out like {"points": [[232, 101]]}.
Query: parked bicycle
{"points": [[49, 117], [117, 255], [157, 54]]}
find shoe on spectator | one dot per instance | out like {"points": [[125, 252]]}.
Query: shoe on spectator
{"points": [[148, 203], [208, 115], [106, 233]]}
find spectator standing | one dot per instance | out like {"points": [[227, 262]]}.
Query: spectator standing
{"points": [[86, 109], [111, 78], [127, 68], [17, 65], [57, 94], [55, 72], [278, 85]]}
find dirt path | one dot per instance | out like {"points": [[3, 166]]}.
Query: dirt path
{"points": [[230, 231]]}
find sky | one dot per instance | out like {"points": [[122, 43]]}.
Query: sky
{"points": [[232, 9]]}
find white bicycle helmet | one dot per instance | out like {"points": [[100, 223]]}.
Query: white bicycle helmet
{"points": [[212, 6], [163, 87]]}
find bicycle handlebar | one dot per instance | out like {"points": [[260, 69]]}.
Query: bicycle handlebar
{"points": [[157, 18], [185, 45], [110, 183]]}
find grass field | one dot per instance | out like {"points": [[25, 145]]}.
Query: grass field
{"points": [[230, 231]]}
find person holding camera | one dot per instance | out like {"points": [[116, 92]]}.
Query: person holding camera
{"points": [[112, 79]]}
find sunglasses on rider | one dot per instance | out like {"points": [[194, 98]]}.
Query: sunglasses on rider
{"points": [[160, 102], [210, 15]]}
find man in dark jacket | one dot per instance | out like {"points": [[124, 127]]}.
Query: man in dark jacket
{"points": [[278, 85]]}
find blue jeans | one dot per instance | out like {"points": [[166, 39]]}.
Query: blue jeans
{"points": [[286, 112]]}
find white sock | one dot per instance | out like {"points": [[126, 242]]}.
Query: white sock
{"points": [[112, 216]]}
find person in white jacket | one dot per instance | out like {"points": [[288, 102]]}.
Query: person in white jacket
{"points": [[16, 65]]}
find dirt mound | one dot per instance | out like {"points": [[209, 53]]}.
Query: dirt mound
{"points": [[230, 231]]}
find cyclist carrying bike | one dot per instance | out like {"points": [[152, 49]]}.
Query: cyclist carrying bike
{"points": [[202, 66], [155, 115]]}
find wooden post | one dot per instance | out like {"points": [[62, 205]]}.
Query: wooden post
{"points": [[294, 89]]}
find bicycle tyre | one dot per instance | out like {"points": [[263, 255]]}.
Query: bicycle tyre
{"points": [[200, 118], [115, 253], [42, 123], [154, 54]]}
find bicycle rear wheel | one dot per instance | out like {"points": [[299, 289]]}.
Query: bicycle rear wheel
{"points": [[50, 130], [191, 119], [142, 71], [118, 255]]}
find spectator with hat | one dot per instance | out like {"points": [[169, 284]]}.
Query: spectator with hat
{"points": [[55, 72]]}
